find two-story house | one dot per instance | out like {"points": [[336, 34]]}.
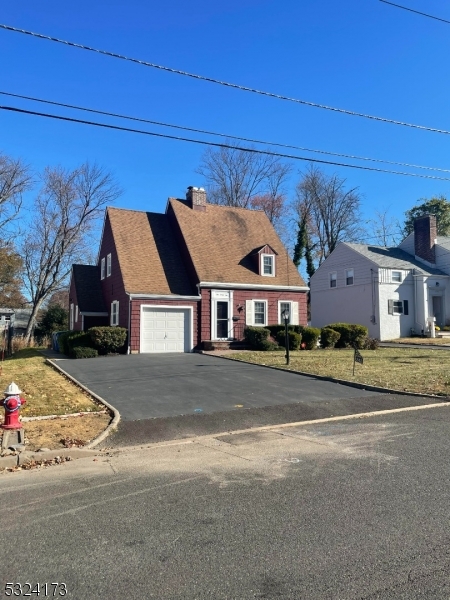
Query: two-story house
{"points": [[196, 273]]}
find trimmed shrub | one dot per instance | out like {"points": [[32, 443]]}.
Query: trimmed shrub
{"points": [[274, 330], [351, 334], [310, 335], [371, 343], [107, 339], [258, 338], [294, 339], [329, 337], [84, 352], [62, 343]]}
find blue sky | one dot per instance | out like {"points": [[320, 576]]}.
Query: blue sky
{"points": [[364, 56]]}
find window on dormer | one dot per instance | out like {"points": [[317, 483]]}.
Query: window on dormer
{"points": [[268, 265]]}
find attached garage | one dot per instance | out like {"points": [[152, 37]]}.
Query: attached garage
{"points": [[166, 329]]}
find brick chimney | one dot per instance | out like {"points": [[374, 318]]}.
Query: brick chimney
{"points": [[196, 198], [425, 234]]}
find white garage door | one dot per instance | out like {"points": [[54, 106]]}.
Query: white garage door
{"points": [[165, 330]]}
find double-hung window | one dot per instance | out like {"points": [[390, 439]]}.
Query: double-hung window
{"points": [[102, 269], [283, 307], [398, 307], [259, 313], [115, 312], [108, 265], [333, 280], [268, 265], [397, 276], [349, 277]]}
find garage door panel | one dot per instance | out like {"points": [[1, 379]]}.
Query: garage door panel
{"points": [[165, 330]]}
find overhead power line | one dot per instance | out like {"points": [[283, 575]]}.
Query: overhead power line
{"points": [[224, 135], [219, 82], [216, 144], [417, 12]]}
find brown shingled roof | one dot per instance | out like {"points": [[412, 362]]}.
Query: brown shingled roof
{"points": [[222, 239], [149, 257]]}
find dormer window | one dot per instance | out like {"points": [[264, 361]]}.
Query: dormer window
{"points": [[268, 265]]}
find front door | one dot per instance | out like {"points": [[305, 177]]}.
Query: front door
{"points": [[437, 310], [222, 319]]}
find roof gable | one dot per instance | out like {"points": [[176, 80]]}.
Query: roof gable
{"points": [[149, 258], [222, 240]]}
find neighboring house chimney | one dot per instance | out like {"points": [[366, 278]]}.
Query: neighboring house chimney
{"points": [[196, 198], [425, 234]]}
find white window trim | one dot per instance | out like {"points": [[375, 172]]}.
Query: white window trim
{"points": [[71, 316], [76, 313], [265, 312], [346, 277], [272, 256], [114, 303], [102, 268], [330, 280], [395, 280], [108, 265]]}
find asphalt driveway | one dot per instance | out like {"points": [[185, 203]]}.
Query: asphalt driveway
{"points": [[149, 386]]}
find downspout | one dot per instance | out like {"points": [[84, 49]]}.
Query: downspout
{"points": [[129, 323]]}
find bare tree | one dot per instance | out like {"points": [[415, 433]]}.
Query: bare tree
{"points": [[385, 230], [237, 177], [15, 179], [327, 214], [65, 212]]}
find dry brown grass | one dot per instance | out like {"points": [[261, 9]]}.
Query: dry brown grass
{"points": [[51, 433], [423, 341], [46, 391], [405, 369]]}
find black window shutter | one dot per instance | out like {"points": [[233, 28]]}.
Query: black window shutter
{"points": [[391, 307], [405, 307]]}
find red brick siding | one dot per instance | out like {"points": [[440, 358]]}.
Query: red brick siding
{"points": [[239, 298], [135, 337], [113, 286]]}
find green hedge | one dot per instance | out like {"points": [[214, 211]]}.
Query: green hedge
{"points": [[294, 339], [84, 352], [258, 338], [310, 335], [107, 339], [351, 334], [328, 337], [72, 339]]}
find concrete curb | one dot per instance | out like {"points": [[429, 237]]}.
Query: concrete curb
{"points": [[116, 419], [17, 460], [354, 384]]}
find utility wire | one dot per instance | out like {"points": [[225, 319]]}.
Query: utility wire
{"points": [[224, 135], [217, 145], [415, 11], [225, 83]]}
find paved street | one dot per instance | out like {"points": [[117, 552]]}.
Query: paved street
{"points": [[352, 509]]}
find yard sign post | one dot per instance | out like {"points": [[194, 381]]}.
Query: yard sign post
{"points": [[357, 358]]}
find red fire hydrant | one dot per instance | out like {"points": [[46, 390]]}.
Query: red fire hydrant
{"points": [[12, 403]]}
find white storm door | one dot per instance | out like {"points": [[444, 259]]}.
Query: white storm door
{"points": [[221, 315], [165, 330]]}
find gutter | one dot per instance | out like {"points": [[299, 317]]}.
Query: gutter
{"points": [[252, 286]]}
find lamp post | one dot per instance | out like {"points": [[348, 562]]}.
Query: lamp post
{"points": [[285, 316]]}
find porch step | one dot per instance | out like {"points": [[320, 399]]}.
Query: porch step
{"points": [[225, 345]]}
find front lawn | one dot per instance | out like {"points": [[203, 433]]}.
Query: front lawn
{"points": [[405, 369], [46, 391]]}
